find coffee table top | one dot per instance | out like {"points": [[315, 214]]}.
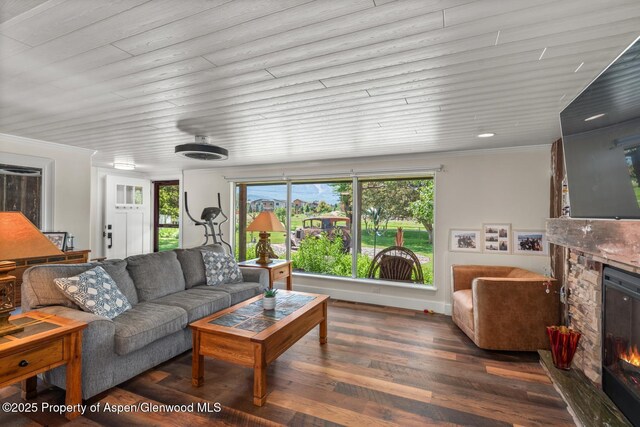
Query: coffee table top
{"points": [[249, 319]]}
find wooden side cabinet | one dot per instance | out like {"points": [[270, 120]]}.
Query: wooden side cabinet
{"points": [[46, 342], [278, 269]]}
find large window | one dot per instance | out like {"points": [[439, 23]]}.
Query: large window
{"points": [[364, 228], [321, 218], [397, 213], [251, 199]]}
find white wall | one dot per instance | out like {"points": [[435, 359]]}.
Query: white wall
{"points": [[475, 187], [72, 183], [202, 187]]}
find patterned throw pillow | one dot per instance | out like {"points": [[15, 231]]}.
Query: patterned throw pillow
{"points": [[96, 292], [220, 268]]}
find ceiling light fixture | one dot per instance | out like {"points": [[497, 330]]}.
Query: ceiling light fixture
{"points": [[202, 149], [597, 116], [486, 135], [124, 166]]}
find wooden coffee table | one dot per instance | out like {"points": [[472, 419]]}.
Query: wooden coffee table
{"points": [[247, 335]]}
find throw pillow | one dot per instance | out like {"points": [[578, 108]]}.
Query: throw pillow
{"points": [[220, 268], [96, 292]]}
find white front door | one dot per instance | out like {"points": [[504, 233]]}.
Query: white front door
{"points": [[127, 217]]}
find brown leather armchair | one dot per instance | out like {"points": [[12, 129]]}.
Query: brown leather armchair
{"points": [[504, 308]]}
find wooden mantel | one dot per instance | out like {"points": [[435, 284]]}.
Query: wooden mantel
{"points": [[615, 242]]}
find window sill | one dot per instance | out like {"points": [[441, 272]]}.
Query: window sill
{"points": [[375, 282]]}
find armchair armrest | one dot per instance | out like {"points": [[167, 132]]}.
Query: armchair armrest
{"points": [[462, 275], [512, 313]]}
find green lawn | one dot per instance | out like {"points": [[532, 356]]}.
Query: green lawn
{"points": [[414, 239], [168, 239]]}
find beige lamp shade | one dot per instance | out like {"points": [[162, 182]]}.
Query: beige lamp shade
{"points": [[266, 221]]}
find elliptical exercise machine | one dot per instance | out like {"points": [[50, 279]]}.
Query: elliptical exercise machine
{"points": [[208, 217]]}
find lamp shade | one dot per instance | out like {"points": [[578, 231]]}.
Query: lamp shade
{"points": [[19, 238], [266, 221]]}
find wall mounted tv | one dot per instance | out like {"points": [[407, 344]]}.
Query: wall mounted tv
{"points": [[601, 140]]}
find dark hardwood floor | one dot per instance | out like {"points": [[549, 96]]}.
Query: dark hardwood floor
{"points": [[382, 366]]}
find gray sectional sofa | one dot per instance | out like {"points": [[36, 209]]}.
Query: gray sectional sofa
{"points": [[167, 291]]}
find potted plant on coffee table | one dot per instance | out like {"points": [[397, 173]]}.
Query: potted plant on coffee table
{"points": [[269, 300]]}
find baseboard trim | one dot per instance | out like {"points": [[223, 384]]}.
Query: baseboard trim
{"points": [[376, 299]]}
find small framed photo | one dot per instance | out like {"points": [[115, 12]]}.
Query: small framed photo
{"points": [[532, 242], [58, 238], [462, 240], [497, 238]]}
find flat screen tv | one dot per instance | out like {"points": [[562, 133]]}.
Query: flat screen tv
{"points": [[601, 140]]}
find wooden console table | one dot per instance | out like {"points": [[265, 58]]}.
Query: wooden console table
{"points": [[46, 342], [278, 269]]}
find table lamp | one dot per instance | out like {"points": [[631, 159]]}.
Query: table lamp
{"points": [[266, 221], [7, 298]]}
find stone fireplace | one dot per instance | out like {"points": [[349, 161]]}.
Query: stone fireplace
{"points": [[593, 247], [584, 312]]}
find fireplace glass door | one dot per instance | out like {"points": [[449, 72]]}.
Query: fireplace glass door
{"points": [[621, 358]]}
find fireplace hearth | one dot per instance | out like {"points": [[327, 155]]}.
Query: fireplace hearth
{"points": [[621, 341]]}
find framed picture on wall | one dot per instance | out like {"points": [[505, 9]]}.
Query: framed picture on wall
{"points": [[462, 240], [497, 238], [531, 242], [58, 238]]}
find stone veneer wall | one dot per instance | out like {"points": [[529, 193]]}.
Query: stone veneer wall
{"points": [[584, 281]]}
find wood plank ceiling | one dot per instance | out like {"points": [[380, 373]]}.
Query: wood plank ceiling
{"points": [[298, 80]]}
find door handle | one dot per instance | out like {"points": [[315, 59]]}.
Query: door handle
{"points": [[110, 237]]}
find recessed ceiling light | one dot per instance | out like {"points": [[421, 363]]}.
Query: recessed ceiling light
{"points": [[597, 116], [124, 166], [486, 135]]}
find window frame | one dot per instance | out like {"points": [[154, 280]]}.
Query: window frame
{"points": [[48, 183], [356, 194]]}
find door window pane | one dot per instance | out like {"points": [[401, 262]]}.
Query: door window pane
{"points": [[120, 194], [138, 199], [129, 196]]}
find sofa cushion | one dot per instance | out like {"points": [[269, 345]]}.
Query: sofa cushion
{"points": [[156, 275], [117, 269], [95, 292], [220, 268], [197, 304], [463, 311], [192, 267], [237, 291], [145, 323]]}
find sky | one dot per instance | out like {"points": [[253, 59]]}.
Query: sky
{"points": [[304, 192]]}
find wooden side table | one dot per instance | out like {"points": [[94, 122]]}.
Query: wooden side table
{"points": [[278, 269], [46, 342]]}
